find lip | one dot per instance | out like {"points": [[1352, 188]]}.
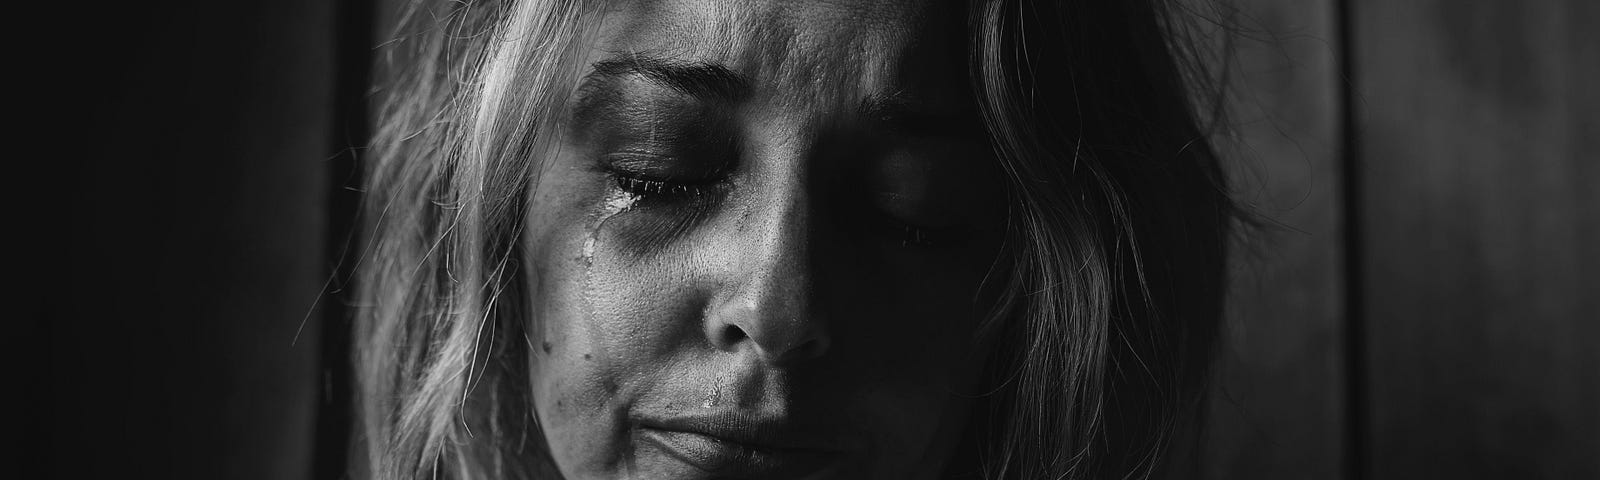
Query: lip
{"points": [[741, 446]]}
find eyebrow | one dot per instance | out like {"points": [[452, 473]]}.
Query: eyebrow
{"points": [[897, 111], [712, 81]]}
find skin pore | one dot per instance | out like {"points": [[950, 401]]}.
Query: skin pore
{"points": [[762, 248]]}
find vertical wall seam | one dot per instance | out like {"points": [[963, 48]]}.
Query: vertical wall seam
{"points": [[1357, 466]]}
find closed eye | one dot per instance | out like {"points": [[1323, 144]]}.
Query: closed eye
{"points": [[661, 188]]}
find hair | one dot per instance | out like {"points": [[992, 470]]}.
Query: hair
{"points": [[1118, 225]]}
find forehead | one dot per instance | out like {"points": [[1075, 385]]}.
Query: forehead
{"points": [[804, 49]]}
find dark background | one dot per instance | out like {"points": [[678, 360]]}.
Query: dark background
{"points": [[202, 162], [1428, 307]]}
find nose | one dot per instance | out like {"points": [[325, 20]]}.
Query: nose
{"points": [[767, 302]]}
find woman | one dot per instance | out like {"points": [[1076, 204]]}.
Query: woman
{"points": [[778, 239]]}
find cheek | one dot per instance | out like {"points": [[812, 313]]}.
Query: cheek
{"points": [[569, 392], [574, 390], [919, 310], [617, 319], [605, 327], [907, 336]]}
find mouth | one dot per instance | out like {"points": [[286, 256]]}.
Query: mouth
{"points": [[737, 446]]}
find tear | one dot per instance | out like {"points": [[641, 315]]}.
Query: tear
{"points": [[616, 202]]}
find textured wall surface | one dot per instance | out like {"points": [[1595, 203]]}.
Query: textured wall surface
{"points": [[1428, 307], [1278, 408], [1480, 230]]}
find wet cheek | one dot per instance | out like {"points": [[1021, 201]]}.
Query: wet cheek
{"points": [[597, 354], [577, 396], [611, 317], [643, 292]]}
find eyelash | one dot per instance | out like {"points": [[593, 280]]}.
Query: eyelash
{"points": [[662, 188], [908, 236]]}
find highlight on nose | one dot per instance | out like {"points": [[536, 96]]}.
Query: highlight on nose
{"points": [[773, 347], [773, 318]]}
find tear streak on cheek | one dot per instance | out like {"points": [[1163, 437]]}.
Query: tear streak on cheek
{"points": [[615, 203]]}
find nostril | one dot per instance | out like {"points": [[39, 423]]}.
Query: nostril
{"points": [[731, 335], [778, 349]]}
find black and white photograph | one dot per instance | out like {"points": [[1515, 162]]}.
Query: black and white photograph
{"points": [[810, 239]]}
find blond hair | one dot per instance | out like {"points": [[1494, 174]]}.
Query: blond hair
{"points": [[1117, 232]]}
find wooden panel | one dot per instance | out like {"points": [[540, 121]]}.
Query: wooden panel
{"points": [[1277, 409], [1479, 141]]}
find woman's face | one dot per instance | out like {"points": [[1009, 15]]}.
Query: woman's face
{"points": [[758, 252]]}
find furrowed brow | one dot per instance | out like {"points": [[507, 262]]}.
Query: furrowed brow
{"points": [[711, 81]]}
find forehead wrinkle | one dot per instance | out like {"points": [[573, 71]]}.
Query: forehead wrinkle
{"points": [[814, 59], [686, 29], [820, 60]]}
